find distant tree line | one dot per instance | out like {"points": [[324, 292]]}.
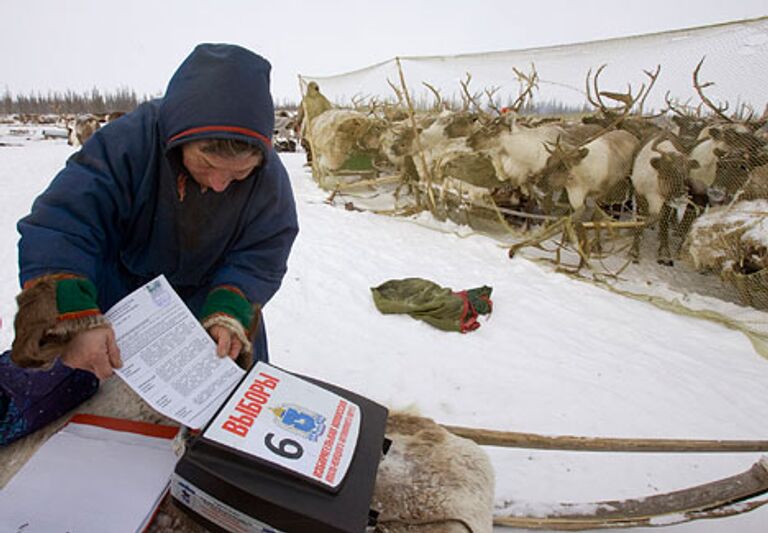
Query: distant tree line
{"points": [[553, 107], [125, 100], [286, 104], [55, 102], [93, 101]]}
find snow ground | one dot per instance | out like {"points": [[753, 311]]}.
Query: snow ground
{"points": [[557, 356]]}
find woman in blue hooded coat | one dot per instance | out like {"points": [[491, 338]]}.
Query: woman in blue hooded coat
{"points": [[187, 186]]}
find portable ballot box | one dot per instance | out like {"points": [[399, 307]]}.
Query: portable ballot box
{"points": [[284, 453]]}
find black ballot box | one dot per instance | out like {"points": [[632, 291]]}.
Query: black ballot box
{"points": [[284, 453]]}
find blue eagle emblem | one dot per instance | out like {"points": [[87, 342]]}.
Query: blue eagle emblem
{"points": [[299, 421]]}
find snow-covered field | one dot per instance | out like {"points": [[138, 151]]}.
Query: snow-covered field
{"points": [[557, 356]]}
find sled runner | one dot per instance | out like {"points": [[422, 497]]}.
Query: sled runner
{"points": [[711, 500], [717, 499], [514, 439]]}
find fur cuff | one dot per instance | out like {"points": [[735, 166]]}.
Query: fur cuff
{"points": [[231, 301], [245, 359], [227, 306], [49, 316]]}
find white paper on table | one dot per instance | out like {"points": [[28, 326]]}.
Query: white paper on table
{"points": [[88, 478], [168, 357]]}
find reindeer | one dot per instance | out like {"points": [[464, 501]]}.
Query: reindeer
{"points": [[660, 177], [727, 151], [81, 129], [593, 170], [518, 154], [755, 187], [596, 164], [590, 170], [735, 141], [435, 152], [449, 129], [740, 174], [464, 151], [619, 116], [433, 130]]}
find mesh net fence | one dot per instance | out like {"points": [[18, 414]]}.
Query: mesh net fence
{"points": [[736, 60], [461, 134]]}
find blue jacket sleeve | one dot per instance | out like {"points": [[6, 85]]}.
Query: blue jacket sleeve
{"points": [[257, 262], [75, 224]]}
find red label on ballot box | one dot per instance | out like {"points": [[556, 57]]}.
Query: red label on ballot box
{"points": [[290, 422]]}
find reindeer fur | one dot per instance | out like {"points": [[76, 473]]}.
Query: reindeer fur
{"points": [[660, 177], [432, 481], [594, 169], [81, 129], [518, 154], [338, 133]]}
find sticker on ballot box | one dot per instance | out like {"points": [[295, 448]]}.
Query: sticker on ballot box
{"points": [[285, 420]]}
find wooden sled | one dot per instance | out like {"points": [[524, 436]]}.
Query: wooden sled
{"points": [[716, 499]]}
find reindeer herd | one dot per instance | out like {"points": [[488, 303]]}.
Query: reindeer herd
{"points": [[659, 170], [78, 127]]}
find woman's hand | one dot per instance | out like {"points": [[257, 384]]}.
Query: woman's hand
{"points": [[227, 342], [94, 350]]}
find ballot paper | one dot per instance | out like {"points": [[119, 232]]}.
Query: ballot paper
{"points": [[97, 474], [283, 419], [168, 358]]}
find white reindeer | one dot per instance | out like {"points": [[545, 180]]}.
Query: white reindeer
{"points": [[660, 177], [518, 152], [592, 170]]}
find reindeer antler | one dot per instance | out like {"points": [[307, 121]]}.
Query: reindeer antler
{"points": [[438, 97], [595, 102], [358, 101], [598, 101], [681, 110], [397, 91], [627, 99], [490, 93], [719, 110], [469, 98], [746, 113], [528, 82], [653, 77], [374, 105]]}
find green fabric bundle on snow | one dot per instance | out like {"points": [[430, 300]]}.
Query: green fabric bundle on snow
{"points": [[439, 306]]}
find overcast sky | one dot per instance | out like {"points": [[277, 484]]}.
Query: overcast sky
{"points": [[78, 44]]}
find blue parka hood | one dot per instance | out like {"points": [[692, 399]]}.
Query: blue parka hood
{"points": [[219, 91], [116, 215]]}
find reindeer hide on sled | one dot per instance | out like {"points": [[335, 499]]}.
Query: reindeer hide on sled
{"points": [[432, 481]]}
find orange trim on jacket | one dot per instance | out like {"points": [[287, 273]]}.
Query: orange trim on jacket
{"points": [[232, 129]]}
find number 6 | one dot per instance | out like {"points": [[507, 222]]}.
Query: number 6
{"points": [[282, 448]]}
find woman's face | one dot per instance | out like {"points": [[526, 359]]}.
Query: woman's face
{"points": [[216, 171]]}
